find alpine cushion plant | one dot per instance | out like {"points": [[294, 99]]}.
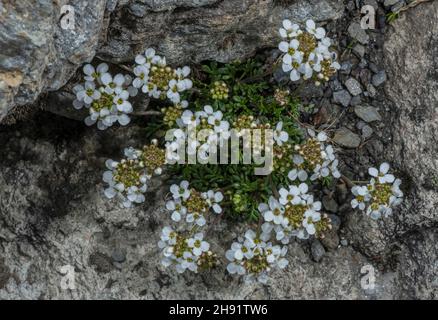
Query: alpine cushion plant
{"points": [[221, 101]]}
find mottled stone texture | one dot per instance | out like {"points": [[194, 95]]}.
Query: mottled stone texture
{"points": [[53, 214], [412, 69], [39, 56], [411, 145], [212, 30]]}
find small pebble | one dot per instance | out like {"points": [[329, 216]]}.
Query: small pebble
{"points": [[353, 86], [379, 78], [367, 113], [317, 250], [342, 97], [346, 138]]}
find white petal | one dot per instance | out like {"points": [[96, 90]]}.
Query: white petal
{"points": [[373, 172], [88, 69], [283, 46], [384, 168]]}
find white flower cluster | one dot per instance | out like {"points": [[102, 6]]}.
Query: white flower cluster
{"points": [[159, 80], [254, 257], [187, 250], [314, 158], [295, 213], [307, 52], [192, 205], [381, 194], [127, 179], [184, 252], [211, 131], [106, 97], [127, 182]]}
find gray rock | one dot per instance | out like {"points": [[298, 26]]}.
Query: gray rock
{"points": [[346, 67], [54, 214], [367, 132], [330, 204], [330, 241], [38, 54], [367, 113], [356, 32], [372, 3], [359, 50], [118, 256], [353, 86], [412, 98], [317, 250], [344, 242], [389, 3], [379, 78], [355, 101], [371, 91], [346, 138], [224, 31], [342, 97]]}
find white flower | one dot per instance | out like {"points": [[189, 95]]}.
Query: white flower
{"points": [[397, 194], [126, 194], [382, 174], [198, 245], [297, 173], [113, 84], [289, 30], [273, 212], [131, 153], [303, 61], [121, 102], [280, 136], [310, 217], [196, 218], [242, 258], [362, 196], [290, 49], [294, 195], [293, 64], [142, 76], [92, 74], [89, 93], [306, 70], [215, 119], [182, 191], [319, 33], [177, 209], [213, 199]]}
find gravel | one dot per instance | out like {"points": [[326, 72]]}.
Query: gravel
{"points": [[317, 250], [353, 86], [367, 113], [355, 31], [342, 97], [379, 78], [346, 138]]}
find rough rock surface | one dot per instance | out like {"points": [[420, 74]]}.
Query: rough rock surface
{"points": [[415, 129], [41, 56], [409, 141], [37, 53], [53, 214]]}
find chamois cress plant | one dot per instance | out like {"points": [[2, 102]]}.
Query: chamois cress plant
{"points": [[224, 102]]}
